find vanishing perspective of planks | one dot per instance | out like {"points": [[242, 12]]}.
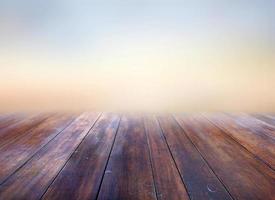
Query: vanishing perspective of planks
{"points": [[137, 156]]}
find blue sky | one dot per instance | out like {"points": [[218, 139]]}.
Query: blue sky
{"points": [[83, 24]]}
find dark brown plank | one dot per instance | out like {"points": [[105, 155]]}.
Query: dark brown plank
{"points": [[167, 178], [11, 119], [16, 153], [200, 181], [10, 133], [129, 174], [257, 143], [265, 118], [244, 176], [32, 179], [81, 177]]}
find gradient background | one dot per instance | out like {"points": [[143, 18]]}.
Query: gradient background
{"points": [[153, 55]]}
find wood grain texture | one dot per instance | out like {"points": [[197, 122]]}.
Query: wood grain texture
{"points": [[257, 143], [265, 118], [81, 177], [32, 179], [27, 145], [10, 133], [253, 125], [167, 178], [129, 174], [6, 115], [243, 175], [94, 156], [199, 179], [11, 119]]}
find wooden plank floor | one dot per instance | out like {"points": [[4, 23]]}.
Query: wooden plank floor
{"points": [[137, 156]]}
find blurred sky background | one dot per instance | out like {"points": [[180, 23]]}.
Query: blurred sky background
{"points": [[146, 55]]}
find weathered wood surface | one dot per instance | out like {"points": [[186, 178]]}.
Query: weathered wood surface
{"points": [[81, 177], [243, 175], [201, 182], [261, 145], [10, 119], [10, 133], [254, 125], [167, 177], [265, 118], [26, 146], [129, 174], [32, 179], [106, 156]]}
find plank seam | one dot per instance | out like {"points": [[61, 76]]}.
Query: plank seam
{"points": [[27, 160], [175, 163], [69, 157], [150, 158], [28, 131], [203, 157], [263, 121], [271, 136], [232, 138], [9, 117], [105, 167]]}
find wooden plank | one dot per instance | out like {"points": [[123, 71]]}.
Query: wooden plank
{"points": [[81, 177], [129, 174], [28, 144], [253, 125], [5, 115], [167, 177], [257, 143], [200, 181], [32, 179], [12, 132], [244, 176], [11, 119], [265, 118]]}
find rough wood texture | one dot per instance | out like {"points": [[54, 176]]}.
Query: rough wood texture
{"points": [[8, 120], [100, 156], [254, 125], [199, 179], [243, 175], [265, 118], [81, 177], [26, 146], [32, 180], [10, 133], [129, 174], [167, 178], [257, 143]]}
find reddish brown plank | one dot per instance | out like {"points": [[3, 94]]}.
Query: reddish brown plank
{"points": [[10, 133], [81, 177], [167, 178], [11, 119], [200, 181], [253, 125], [16, 153], [32, 179], [244, 176], [257, 143], [129, 174]]}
